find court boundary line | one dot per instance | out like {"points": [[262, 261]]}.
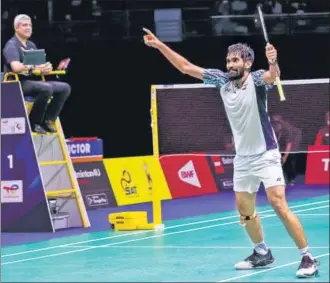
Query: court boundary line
{"points": [[267, 270], [196, 247], [145, 232], [145, 238]]}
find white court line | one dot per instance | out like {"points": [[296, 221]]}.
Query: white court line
{"points": [[316, 214], [267, 270], [145, 238], [234, 216], [144, 232], [192, 247]]}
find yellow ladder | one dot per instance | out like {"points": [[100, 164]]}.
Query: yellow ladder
{"points": [[48, 163]]}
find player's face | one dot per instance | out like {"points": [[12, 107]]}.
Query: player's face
{"points": [[235, 66], [24, 29]]}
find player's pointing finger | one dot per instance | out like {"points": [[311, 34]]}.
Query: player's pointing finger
{"points": [[147, 31]]}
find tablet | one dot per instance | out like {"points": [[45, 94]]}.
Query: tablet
{"points": [[34, 57]]}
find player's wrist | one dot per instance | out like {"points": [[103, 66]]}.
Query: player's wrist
{"points": [[160, 46], [272, 62]]}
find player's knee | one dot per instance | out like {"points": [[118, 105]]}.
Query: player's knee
{"points": [[244, 207], [246, 213], [278, 202], [245, 219]]}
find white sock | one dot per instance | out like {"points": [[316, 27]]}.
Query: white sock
{"points": [[261, 248], [306, 251]]}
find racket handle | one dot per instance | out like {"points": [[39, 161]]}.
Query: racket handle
{"points": [[280, 89]]}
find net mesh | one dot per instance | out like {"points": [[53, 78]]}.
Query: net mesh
{"points": [[191, 118]]}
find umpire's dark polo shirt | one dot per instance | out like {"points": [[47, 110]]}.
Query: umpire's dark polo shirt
{"points": [[13, 51]]}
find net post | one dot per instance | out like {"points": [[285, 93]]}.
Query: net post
{"points": [[154, 122], [156, 201]]}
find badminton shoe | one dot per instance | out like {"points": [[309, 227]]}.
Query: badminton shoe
{"points": [[307, 268], [256, 260]]}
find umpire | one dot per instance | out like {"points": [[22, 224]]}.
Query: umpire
{"points": [[42, 115]]}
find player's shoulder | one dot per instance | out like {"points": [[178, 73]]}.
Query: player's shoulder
{"points": [[215, 77], [215, 73], [258, 78]]}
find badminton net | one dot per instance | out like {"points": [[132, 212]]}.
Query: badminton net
{"points": [[191, 117]]}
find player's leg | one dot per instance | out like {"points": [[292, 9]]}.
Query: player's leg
{"points": [[276, 197], [246, 206], [271, 174], [246, 187]]}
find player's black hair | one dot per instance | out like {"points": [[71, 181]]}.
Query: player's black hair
{"points": [[245, 51]]}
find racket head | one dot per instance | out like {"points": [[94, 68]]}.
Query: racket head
{"points": [[262, 22]]}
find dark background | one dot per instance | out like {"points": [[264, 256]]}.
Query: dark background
{"points": [[111, 69]]}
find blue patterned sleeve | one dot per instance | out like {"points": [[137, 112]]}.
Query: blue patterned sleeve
{"points": [[259, 80], [215, 77]]}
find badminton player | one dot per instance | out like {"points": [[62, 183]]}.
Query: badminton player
{"points": [[258, 159]]}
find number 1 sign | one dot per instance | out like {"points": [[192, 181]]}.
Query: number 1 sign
{"points": [[23, 201]]}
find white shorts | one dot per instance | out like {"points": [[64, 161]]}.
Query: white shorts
{"points": [[250, 171]]}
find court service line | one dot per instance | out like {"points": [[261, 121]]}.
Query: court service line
{"points": [[193, 247], [144, 238], [267, 270], [144, 232]]}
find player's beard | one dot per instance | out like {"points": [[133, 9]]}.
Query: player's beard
{"points": [[235, 74]]}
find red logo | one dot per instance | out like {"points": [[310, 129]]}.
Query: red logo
{"points": [[318, 164], [12, 188], [188, 175], [217, 163]]}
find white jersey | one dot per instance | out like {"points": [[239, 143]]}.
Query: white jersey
{"points": [[246, 109]]}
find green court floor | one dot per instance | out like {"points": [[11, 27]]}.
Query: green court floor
{"points": [[198, 249]]}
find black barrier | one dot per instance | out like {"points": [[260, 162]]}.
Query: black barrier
{"points": [[222, 170], [94, 185]]}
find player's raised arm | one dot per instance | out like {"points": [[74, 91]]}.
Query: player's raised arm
{"points": [[274, 71], [179, 62]]}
